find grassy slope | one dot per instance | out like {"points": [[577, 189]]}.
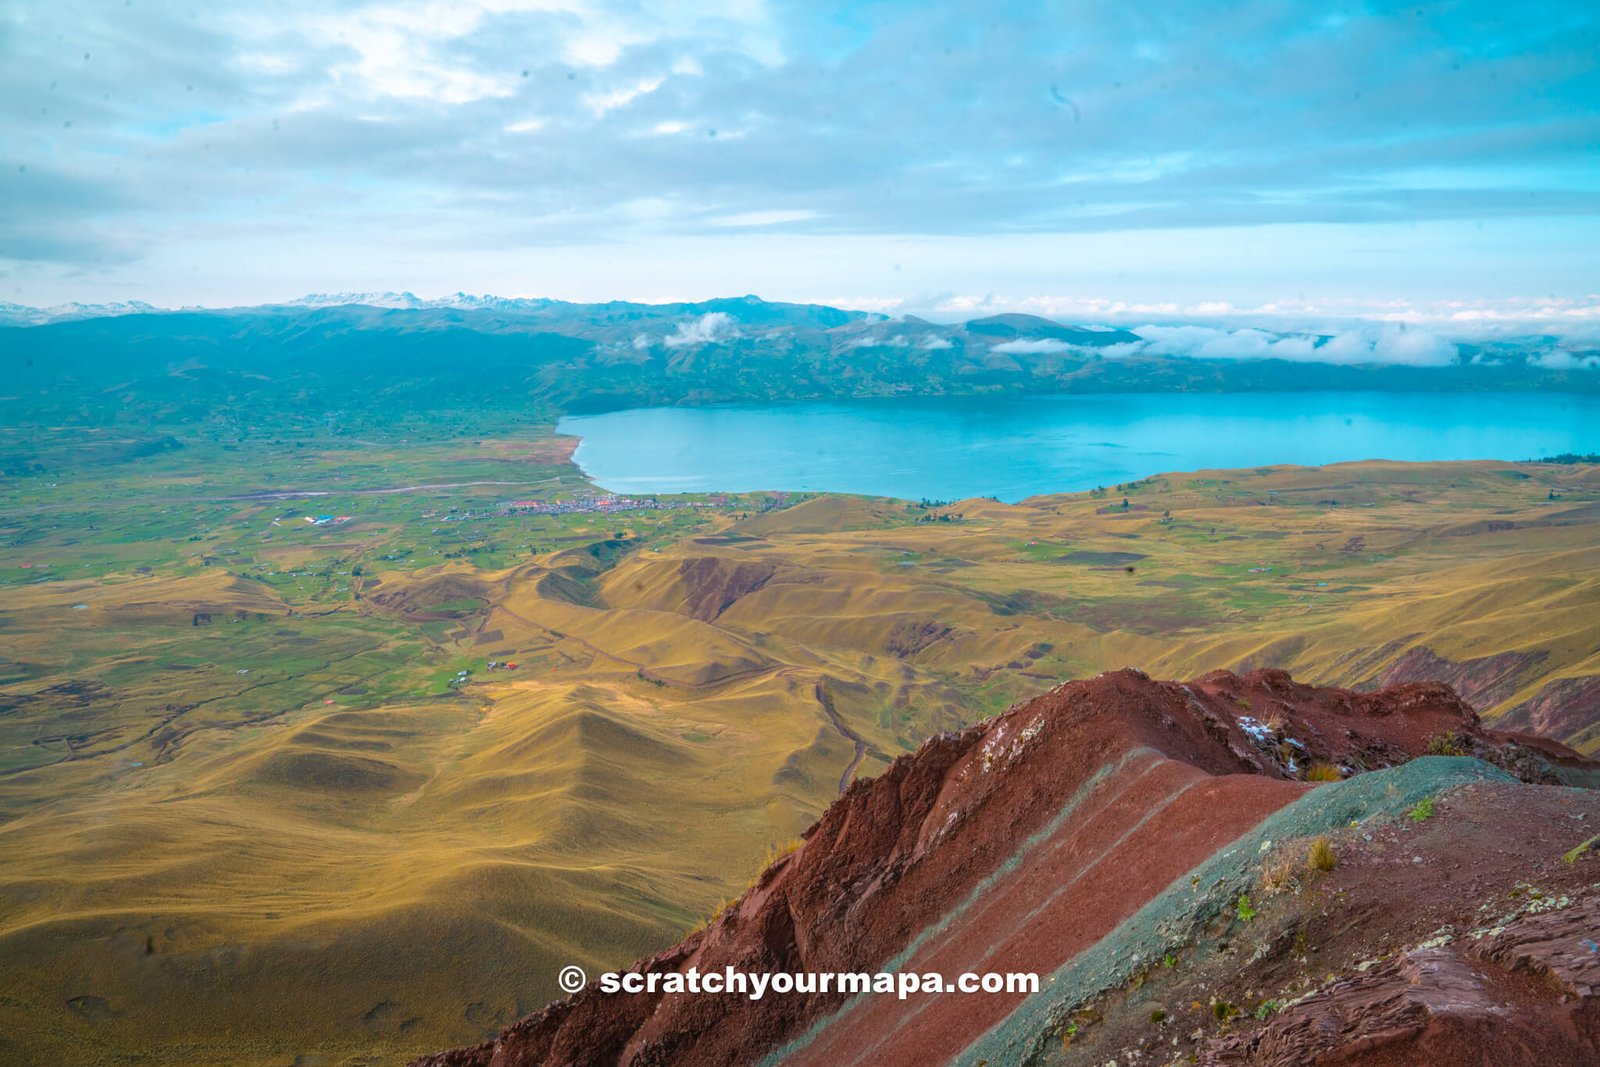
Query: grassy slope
{"points": [[340, 853]]}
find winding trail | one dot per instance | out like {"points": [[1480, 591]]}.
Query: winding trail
{"points": [[845, 732]]}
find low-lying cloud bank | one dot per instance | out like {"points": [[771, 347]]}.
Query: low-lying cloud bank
{"points": [[1041, 346], [1572, 320], [1398, 345], [1563, 359], [1395, 345]]}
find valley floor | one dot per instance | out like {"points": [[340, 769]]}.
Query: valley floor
{"points": [[263, 796]]}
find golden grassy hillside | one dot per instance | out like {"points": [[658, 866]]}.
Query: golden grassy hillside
{"points": [[237, 829]]}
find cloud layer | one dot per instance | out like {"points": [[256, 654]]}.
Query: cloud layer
{"points": [[1397, 345], [156, 141]]}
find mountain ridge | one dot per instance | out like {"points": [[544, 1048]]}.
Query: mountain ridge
{"points": [[1033, 841], [282, 365]]}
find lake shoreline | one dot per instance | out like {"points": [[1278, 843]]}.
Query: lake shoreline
{"points": [[1012, 448]]}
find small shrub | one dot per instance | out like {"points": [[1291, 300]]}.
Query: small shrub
{"points": [[1321, 771], [1223, 1011], [1321, 857], [1423, 811], [1158, 1016], [1169, 960], [1267, 1007], [1244, 909], [1450, 744]]}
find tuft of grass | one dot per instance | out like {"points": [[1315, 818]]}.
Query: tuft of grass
{"points": [[1322, 771], [1223, 1011], [1158, 1016], [1450, 744], [1321, 857], [1267, 1007], [1244, 908], [722, 907], [1278, 873], [779, 850], [1423, 810]]}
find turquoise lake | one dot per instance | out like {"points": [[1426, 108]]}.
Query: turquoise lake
{"points": [[951, 448]]}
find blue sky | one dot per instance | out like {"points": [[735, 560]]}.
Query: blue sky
{"points": [[1438, 162]]}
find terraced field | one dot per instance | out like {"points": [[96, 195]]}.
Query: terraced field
{"points": [[251, 808]]}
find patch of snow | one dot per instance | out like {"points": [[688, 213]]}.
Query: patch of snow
{"points": [[1259, 733]]}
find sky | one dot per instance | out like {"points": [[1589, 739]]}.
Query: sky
{"points": [[1233, 162]]}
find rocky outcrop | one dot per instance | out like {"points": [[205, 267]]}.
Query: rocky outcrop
{"points": [[1482, 682], [1519, 994], [1561, 708], [1020, 844]]}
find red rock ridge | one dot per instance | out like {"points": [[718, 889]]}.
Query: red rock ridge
{"points": [[1118, 778]]}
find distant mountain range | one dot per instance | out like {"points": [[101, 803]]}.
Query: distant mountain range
{"points": [[370, 355], [25, 315]]}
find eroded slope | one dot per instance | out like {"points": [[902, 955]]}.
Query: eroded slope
{"points": [[1030, 842]]}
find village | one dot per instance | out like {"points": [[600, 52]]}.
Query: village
{"points": [[606, 504]]}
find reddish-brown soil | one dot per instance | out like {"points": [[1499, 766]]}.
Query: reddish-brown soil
{"points": [[1561, 708], [1518, 996], [1482, 682], [1464, 927], [1012, 846], [1153, 827]]}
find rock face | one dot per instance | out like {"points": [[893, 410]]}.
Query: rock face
{"points": [[1521, 994], [1030, 843]]}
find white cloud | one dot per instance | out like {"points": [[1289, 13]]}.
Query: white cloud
{"points": [[1397, 345], [1561, 359], [1571, 318], [1022, 347], [619, 95], [1412, 347], [398, 53], [761, 218], [712, 326]]}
